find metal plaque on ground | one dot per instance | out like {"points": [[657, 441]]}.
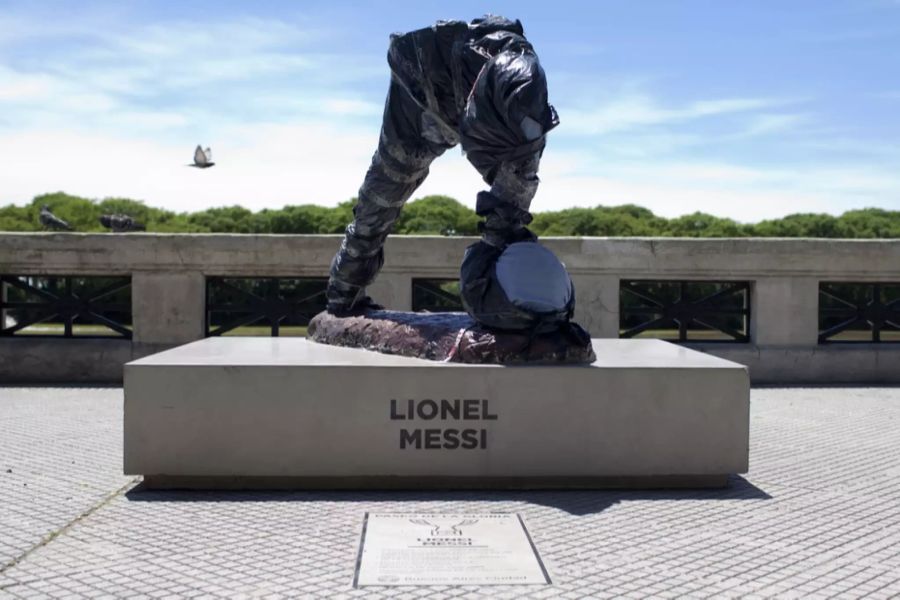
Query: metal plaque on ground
{"points": [[447, 549]]}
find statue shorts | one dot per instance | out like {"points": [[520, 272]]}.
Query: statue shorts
{"points": [[477, 84]]}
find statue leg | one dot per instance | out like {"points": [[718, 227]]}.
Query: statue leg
{"points": [[506, 207], [503, 134], [399, 166]]}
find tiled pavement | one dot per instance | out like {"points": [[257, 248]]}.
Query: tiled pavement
{"points": [[817, 516]]}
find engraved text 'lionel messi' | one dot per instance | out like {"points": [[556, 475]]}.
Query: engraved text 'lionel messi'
{"points": [[442, 438]]}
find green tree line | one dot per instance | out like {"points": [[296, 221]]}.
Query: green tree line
{"points": [[442, 215]]}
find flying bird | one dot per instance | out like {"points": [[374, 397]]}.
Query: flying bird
{"points": [[202, 158], [121, 223], [51, 221]]}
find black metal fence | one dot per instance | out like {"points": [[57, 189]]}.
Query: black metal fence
{"points": [[685, 311], [436, 295], [859, 312], [70, 306], [262, 306], [65, 306]]}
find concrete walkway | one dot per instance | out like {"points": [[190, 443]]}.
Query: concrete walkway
{"points": [[817, 516]]}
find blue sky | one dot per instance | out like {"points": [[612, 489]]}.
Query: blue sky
{"points": [[748, 110]]}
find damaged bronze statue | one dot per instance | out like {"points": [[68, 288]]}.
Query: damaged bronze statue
{"points": [[481, 85]]}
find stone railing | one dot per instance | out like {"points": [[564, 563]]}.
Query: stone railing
{"points": [[168, 290]]}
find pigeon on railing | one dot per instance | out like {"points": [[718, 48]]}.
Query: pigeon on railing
{"points": [[51, 221], [121, 223], [202, 158]]}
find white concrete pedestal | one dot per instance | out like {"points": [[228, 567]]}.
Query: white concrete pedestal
{"points": [[287, 412]]}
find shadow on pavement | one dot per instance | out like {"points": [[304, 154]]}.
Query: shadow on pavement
{"points": [[575, 502]]}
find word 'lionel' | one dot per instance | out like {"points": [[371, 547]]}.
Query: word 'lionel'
{"points": [[426, 410], [469, 409]]}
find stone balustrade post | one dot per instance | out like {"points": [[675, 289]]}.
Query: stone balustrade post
{"points": [[597, 304], [168, 307], [392, 290], [784, 312]]}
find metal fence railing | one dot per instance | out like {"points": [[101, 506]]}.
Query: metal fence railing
{"points": [[273, 306], [436, 295], [65, 306], [685, 311], [859, 312]]}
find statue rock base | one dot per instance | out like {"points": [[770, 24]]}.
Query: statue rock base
{"points": [[449, 337]]}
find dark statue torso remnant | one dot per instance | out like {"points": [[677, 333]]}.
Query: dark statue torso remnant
{"points": [[480, 85]]}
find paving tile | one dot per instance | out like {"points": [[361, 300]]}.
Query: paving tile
{"points": [[818, 516]]}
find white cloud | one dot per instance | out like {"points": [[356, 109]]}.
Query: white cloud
{"points": [[308, 162], [351, 106], [769, 123], [21, 89], [180, 66], [258, 167], [631, 110], [214, 38], [672, 188]]}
